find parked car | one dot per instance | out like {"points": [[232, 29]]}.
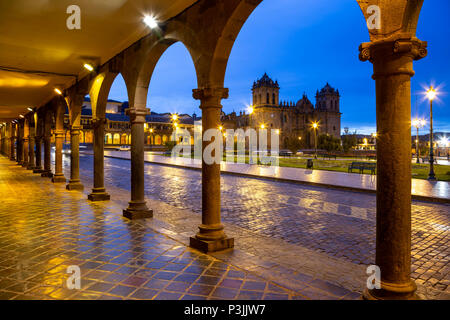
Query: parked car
{"points": [[123, 148], [285, 153]]}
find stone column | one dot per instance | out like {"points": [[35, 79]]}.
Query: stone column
{"points": [[38, 168], [211, 236], [25, 141], [393, 69], [99, 192], [59, 177], [137, 208], [18, 138], [75, 182], [12, 156], [31, 162], [47, 145]]}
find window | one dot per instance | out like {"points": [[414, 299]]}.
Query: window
{"points": [[268, 98], [273, 98]]}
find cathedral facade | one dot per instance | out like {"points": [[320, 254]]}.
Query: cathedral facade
{"points": [[291, 120]]}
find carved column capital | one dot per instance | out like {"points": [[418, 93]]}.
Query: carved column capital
{"points": [[97, 122], [137, 115], [415, 48], [393, 56], [210, 97], [60, 133], [75, 130]]}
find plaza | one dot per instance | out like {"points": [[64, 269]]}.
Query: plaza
{"points": [[133, 228]]}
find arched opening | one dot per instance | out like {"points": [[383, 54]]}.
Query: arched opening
{"points": [[158, 140], [116, 139], [170, 92], [108, 138], [124, 139]]}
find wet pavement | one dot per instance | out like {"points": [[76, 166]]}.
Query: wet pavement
{"points": [[420, 189], [46, 230], [340, 224]]}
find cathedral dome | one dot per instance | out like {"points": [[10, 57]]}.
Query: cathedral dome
{"points": [[304, 104]]}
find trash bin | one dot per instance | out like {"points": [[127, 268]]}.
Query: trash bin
{"points": [[309, 164]]}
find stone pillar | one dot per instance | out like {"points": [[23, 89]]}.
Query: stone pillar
{"points": [[18, 135], [60, 106], [25, 141], [47, 145], [59, 177], [393, 69], [31, 162], [12, 156], [99, 192], [38, 168], [75, 182], [137, 208], [211, 236]]}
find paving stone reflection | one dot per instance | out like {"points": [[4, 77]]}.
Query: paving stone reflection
{"points": [[44, 229], [338, 223]]}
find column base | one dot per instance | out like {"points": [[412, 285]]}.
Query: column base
{"points": [[47, 174], [59, 179], [99, 196], [207, 246], [31, 167], [24, 164], [137, 214], [74, 185], [392, 291], [38, 170]]}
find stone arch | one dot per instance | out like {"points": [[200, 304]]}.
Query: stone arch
{"points": [[139, 76], [398, 18], [108, 138], [99, 92], [158, 140], [124, 138]]}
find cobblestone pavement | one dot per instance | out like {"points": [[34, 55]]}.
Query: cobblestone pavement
{"points": [[340, 224], [44, 229]]}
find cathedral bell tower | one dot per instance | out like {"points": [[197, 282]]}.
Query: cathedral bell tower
{"points": [[266, 92]]}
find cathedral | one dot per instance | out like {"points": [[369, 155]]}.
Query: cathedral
{"points": [[291, 120]]}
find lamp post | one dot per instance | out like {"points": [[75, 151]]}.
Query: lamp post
{"points": [[315, 126], [431, 94], [418, 123]]}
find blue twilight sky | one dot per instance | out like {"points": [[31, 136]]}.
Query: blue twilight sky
{"points": [[304, 44]]}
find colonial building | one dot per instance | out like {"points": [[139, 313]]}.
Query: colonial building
{"points": [[158, 127], [292, 120]]}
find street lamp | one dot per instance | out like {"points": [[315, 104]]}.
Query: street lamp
{"points": [[418, 123], [431, 95], [315, 126]]}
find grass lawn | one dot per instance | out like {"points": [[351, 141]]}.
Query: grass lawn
{"points": [[419, 171]]}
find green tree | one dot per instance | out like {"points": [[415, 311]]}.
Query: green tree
{"points": [[170, 145], [329, 143], [294, 144], [349, 141]]}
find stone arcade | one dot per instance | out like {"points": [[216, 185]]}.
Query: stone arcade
{"points": [[392, 51]]}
